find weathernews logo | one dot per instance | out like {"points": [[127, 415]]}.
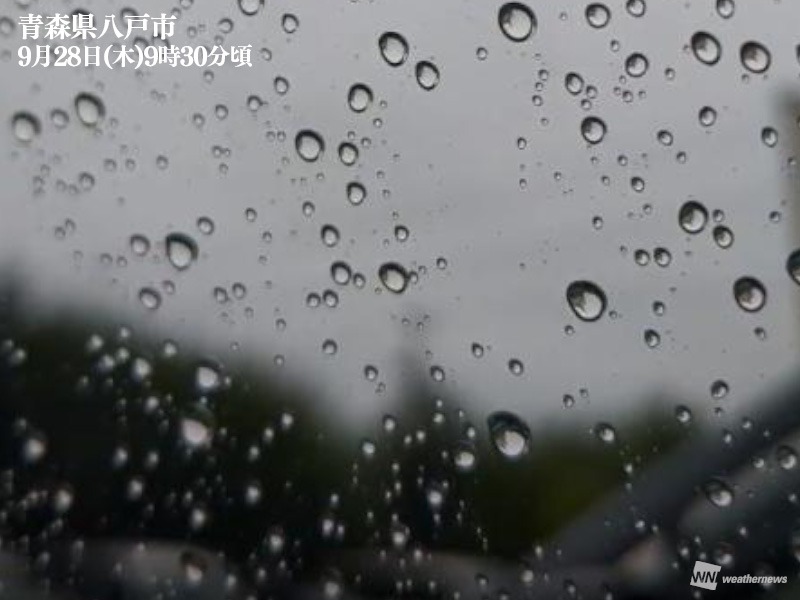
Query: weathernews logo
{"points": [[706, 576]]}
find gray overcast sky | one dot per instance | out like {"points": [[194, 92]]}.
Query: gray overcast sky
{"points": [[450, 161]]}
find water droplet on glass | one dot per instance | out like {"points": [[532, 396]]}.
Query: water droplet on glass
{"points": [[341, 272], [427, 75], [593, 130], [723, 236], [330, 236], [356, 193], [25, 126], [683, 414], [348, 153], [793, 266], [725, 8], [598, 15], [516, 21], [636, 8], [359, 97], [706, 48], [719, 389], [509, 434], [309, 145], [750, 294], [207, 378], [707, 116], [181, 250], [693, 217], [605, 433], [586, 300], [393, 277], [719, 494], [636, 65], [574, 83], [150, 298], [787, 457], [652, 338], [290, 23], [250, 7], [394, 48], [755, 57], [90, 109], [464, 458], [769, 136]]}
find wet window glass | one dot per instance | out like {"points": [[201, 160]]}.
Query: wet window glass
{"points": [[370, 299]]}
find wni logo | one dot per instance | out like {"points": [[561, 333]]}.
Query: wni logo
{"points": [[705, 575]]}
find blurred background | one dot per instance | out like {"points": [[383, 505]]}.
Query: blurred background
{"points": [[460, 299]]}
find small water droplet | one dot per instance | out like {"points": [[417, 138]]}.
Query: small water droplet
{"points": [[207, 378], [719, 389], [356, 193], [150, 298], [725, 8], [636, 65], [605, 433], [769, 136], [574, 83], [723, 236], [250, 7], [707, 116]]}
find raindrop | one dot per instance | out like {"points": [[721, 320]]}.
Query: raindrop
{"points": [[652, 338], [787, 457], [755, 57], [719, 494], [793, 266], [207, 378], [394, 48], [750, 294], [140, 245], [464, 458], [706, 48], [723, 236], [290, 23], [574, 83], [693, 217], [598, 15], [636, 8], [725, 8], [516, 367], [90, 109], [341, 272], [683, 414], [250, 7], [181, 250], [150, 298], [707, 116], [359, 97], [509, 434], [586, 300], [393, 277], [194, 568], [309, 145], [330, 235], [593, 130], [769, 136], [427, 75], [516, 21], [195, 431], [719, 389], [636, 65], [348, 153], [605, 433], [25, 126]]}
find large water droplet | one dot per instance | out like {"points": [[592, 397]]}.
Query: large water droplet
{"points": [[586, 300], [593, 130], [693, 217], [793, 266], [636, 65], [250, 7], [90, 109], [309, 145], [755, 57], [25, 126], [598, 15], [181, 250], [393, 277], [509, 434], [427, 75], [394, 48], [517, 21], [207, 378], [750, 294], [196, 429], [706, 48]]}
